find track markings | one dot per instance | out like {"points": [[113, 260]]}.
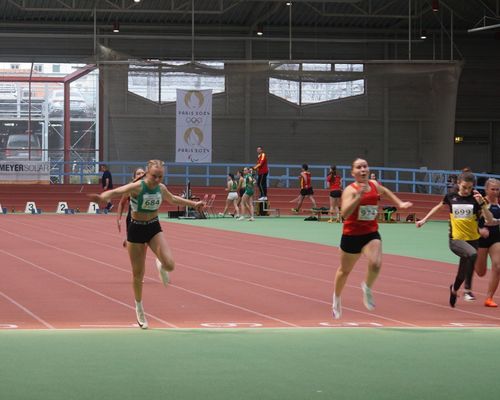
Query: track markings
{"points": [[231, 325], [8, 326]]}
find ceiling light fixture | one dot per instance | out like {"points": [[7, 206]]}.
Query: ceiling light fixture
{"points": [[435, 5], [423, 35], [260, 30], [116, 27]]}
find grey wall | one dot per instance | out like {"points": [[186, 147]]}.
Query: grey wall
{"points": [[405, 119], [395, 127]]}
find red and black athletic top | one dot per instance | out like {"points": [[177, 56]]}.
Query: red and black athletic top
{"points": [[335, 182], [305, 180], [262, 164], [363, 220]]}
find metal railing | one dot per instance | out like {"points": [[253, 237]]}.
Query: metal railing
{"points": [[280, 175]]}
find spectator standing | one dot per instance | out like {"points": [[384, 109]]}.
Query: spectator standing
{"points": [[107, 183], [262, 171]]}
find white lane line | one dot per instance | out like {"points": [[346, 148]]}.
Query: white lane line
{"points": [[26, 310], [96, 292], [294, 294], [128, 272], [302, 276]]}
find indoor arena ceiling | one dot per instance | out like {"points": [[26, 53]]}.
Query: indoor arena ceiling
{"points": [[342, 19]]}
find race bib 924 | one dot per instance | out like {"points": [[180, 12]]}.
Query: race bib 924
{"points": [[367, 213]]}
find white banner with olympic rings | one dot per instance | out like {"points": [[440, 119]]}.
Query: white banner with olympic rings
{"points": [[193, 136]]}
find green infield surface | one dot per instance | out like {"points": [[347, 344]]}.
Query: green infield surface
{"points": [[321, 363], [404, 239]]}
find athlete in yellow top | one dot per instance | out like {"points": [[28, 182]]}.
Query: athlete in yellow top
{"points": [[466, 206]]}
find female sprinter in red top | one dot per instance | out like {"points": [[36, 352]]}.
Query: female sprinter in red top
{"points": [[360, 232]]}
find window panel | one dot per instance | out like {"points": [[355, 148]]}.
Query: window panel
{"points": [[316, 67], [171, 81], [144, 82], [288, 90]]}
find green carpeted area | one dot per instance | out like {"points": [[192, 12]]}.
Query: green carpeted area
{"points": [[429, 242], [279, 364]]}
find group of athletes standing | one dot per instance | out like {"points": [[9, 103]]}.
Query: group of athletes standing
{"points": [[474, 223]]}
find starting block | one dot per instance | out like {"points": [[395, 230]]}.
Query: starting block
{"points": [[62, 206], [101, 211], [93, 208], [31, 208], [69, 211]]}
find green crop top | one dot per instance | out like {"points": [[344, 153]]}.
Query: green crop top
{"points": [[148, 200]]}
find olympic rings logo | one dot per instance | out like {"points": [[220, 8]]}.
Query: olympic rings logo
{"points": [[193, 120]]}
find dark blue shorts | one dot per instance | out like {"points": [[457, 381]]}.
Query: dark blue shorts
{"points": [[354, 244]]}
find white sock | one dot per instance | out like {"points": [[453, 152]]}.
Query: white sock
{"points": [[138, 304]]}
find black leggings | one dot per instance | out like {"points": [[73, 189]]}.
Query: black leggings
{"points": [[467, 252], [262, 184]]}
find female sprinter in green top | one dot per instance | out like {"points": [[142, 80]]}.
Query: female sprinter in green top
{"points": [[146, 196]]}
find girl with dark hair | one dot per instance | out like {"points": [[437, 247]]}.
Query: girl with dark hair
{"points": [[360, 234], [466, 207], [232, 196], [335, 185]]}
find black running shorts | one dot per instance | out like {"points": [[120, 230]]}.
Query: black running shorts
{"points": [[143, 231], [354, 244]]}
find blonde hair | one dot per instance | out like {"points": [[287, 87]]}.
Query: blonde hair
{"points": [[491, 181], [154, 163]]}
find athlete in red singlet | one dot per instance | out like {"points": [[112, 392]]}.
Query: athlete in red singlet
{"points": [[335, 185], [306, 189], [360, 232]]}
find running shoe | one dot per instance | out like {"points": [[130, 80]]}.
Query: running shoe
{"points": [[295, 210], [453, 296], [141, 317], [468, 296], [337, 307], [490, 303], [251, 219], [165, 279], [367, 297], [221, 215], [330, 220], [242, 218]]}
